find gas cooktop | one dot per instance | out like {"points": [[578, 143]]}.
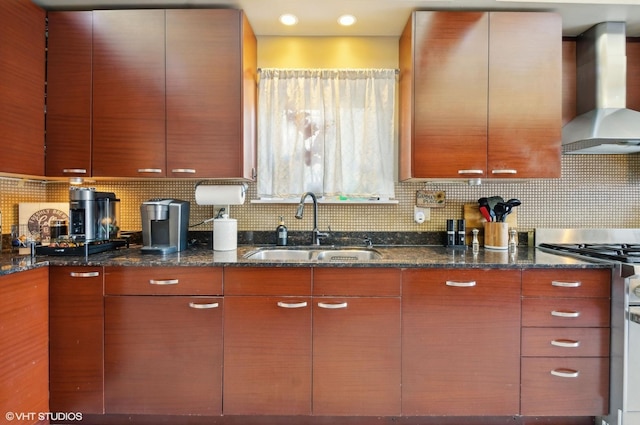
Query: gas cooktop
{"points": [[627, 253]]}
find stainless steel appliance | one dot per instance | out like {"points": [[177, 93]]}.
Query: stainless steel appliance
{"points": [[621, 248], [165, 223]]}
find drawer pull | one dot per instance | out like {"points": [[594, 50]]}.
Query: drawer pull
{"points": [[164, 281], [292, 305], [150, 170], [332, 305], [506, 171], [184, 170], [461, 284], [565, 373], [204, 306], [470, 172], [74, 171], [569, 314], [565, 343], [561, 284], [84, 274]]}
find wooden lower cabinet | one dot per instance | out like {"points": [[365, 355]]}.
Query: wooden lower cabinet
{"points": [[24, 326], [460, 342], [76, 336], [163, 345]]}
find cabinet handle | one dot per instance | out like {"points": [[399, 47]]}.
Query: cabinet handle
{"points": [[470, 172], [565, 373], [184, 170], [332, 305], [204, 306], [150, 170], [74, 171], [292, 305], [504, 171], [164, 282], [461, 284], [565, 343], [561, 284], [84, 274], [572, 314]]}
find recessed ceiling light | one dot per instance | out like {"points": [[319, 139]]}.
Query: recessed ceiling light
{"points": [[347, 20], [288, 19]]}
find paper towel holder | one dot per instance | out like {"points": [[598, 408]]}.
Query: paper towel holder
{"points": [[244, 186]]}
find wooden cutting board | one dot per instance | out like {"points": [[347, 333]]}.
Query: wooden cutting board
{"points": [[475, 220]]}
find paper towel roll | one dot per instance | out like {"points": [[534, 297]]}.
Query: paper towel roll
{"points": [[220, 194], [225, 234]]}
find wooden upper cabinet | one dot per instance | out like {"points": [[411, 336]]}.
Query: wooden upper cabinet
{"points": [[211, 84], [129, 93], [68, 137], [633, 73], [480, 95], [22, 66]]}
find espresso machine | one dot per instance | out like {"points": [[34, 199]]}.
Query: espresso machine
{"points": [[94, 215], [165, 223]]}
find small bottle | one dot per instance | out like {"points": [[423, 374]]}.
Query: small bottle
{"points": [[451, 233], [513, 239], [281, 233], [475, 245]]}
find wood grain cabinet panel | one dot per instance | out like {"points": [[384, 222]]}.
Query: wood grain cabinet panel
{"points": [[76, 340], [179, 280], [22, 77], [24, 331], [460, 342], [69, 80], [129, 93], [480, 96], [633, 73]]}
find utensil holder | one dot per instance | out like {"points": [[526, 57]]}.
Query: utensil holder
{"points": [[496, 235]]}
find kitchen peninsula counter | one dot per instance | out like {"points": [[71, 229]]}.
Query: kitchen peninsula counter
{"points": [[392, 256]]}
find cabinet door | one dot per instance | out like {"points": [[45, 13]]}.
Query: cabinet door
{"points": [[633, 73], [129, 93], [24, 354], [356, 356], [68, 138], [76, 339], [205, 85], [267, 355], [163, 355], [449, 79], [22, 65], [525, 95], [460, 342]]}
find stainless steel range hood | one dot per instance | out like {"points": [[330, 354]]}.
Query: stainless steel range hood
{"points": [[604, 125]]}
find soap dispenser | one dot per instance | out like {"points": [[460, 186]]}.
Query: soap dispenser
{"points": [[281, 233]]}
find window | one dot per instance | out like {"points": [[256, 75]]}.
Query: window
{"points": [[325, 131]]}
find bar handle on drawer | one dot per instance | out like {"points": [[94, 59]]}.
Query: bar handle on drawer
{"points": [[332, 305], [203, 306], [565, 373], [504, 171], [74, 171], [570, 314], [84, 274], [150, 170], [164, 281], [292, 305], [184, 170], [470, 172], [461, 284], [565, 343], [561, 284]]}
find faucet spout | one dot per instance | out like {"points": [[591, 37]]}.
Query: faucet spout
{"points": [[316, 235]]}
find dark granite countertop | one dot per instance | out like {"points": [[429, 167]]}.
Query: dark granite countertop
{"points": [[392, 256]]}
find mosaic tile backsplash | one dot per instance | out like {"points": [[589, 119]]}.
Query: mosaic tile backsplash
{"points": [[594, 191]]}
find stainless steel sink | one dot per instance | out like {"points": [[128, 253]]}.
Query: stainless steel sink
{"points": [[313, 253]]}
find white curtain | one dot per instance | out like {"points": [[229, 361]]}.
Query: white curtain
{"points": [[330, 132]]}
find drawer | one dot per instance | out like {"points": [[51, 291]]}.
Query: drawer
{"points": [[567, 283], [341, 281], [163, 280], [564, 386], [288, 281], [565, 342], [566, 312]]}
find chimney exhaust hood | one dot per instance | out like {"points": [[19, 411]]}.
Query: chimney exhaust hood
{"points": [[604, 124]]}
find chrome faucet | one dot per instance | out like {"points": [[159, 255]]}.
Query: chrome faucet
{"points": [[315, 233]]}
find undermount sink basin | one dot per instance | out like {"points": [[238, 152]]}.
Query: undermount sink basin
{"points": [[314, 253]]}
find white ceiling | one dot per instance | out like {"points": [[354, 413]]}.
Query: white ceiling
{"points": [[376, 17]]}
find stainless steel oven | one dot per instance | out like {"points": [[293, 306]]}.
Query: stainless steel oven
{"points": [[621, 248]]}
